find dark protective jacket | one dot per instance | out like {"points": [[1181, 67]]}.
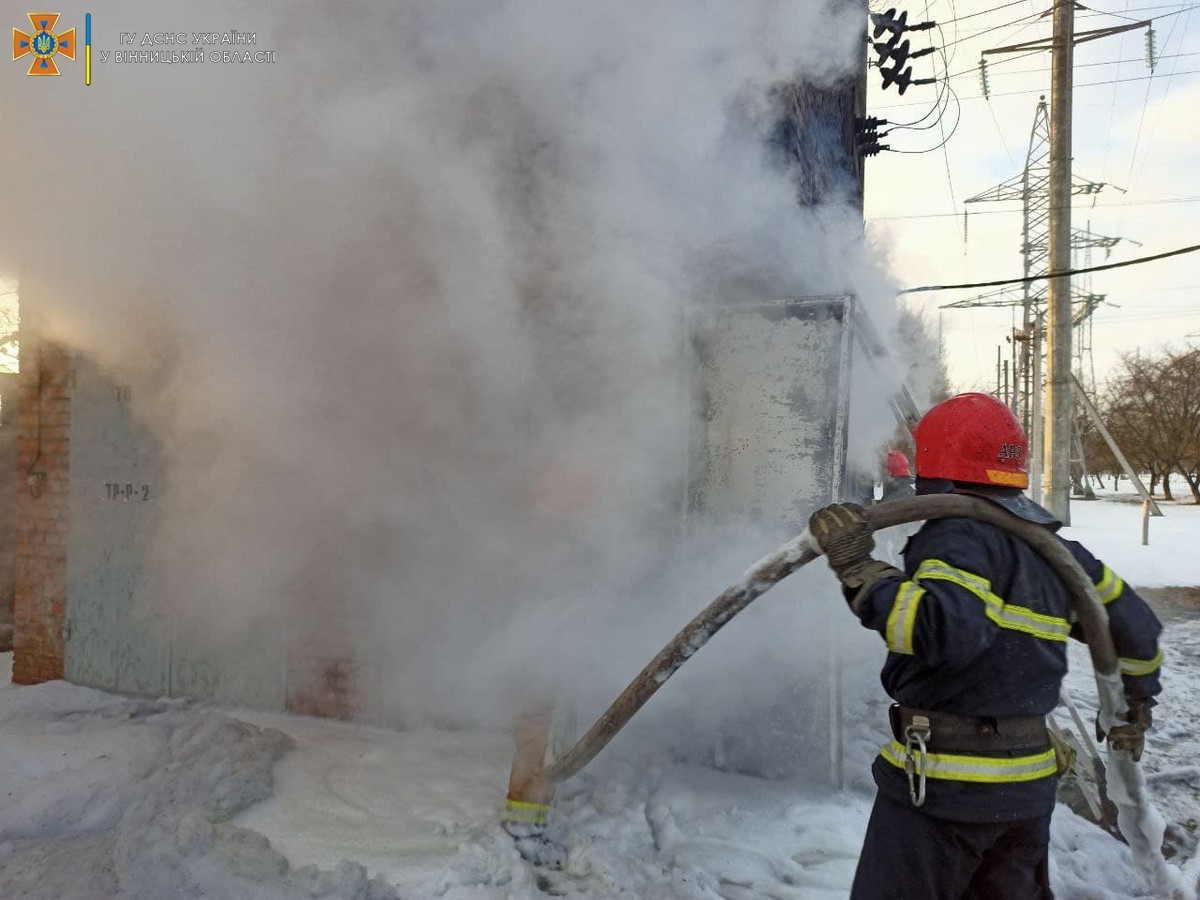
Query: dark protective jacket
{"points": [[896, 487], [979, 628]]}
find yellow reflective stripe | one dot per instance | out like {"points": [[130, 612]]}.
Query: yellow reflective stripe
{"points": [[1005, 615], [978, 769], [1109, 587], [1141, 666], [902, 618], [526, 813], [1012, 479]]}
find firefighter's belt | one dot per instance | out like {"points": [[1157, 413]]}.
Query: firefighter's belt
{"points": [[950, 733]]}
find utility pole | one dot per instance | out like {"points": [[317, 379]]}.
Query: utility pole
{"points": [[1031, 186], [1057, 462], [1036, 437]]}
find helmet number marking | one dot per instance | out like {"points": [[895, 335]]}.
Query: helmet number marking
{"points": [[1011, 451]]}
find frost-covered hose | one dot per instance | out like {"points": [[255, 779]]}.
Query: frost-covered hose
{"points": [[1139, 822]]}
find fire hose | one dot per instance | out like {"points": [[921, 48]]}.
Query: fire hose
{"points": [[534, 778]]}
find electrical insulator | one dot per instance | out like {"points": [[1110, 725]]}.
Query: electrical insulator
{"points": [[899, 53], [866, 135], [897, 24], [1151, 57], [983, 79], [896, 51], [902, 80]]}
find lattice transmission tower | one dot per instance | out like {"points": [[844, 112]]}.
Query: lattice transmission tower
{"points": [[1032, 187]]}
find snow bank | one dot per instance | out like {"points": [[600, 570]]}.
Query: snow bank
{"points": [[131, 799], [1112, 529]]}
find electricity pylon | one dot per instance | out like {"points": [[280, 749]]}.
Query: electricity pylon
{"points": [[1032, 187]]}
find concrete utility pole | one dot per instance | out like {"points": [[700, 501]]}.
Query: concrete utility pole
{"points": [[1057, 457], [1057, 462], [1032, 187]]}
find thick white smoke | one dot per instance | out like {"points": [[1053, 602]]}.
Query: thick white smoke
{"points": [[404, 307]]}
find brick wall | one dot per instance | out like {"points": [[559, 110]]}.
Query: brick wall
{"points": [[43, 470], [322, 675], [9, 387]]}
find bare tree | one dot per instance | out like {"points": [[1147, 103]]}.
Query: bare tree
{"points": [[1153, 409]]}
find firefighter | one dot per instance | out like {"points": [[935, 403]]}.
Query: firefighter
{"points": [[976, 629], [899, 481]]}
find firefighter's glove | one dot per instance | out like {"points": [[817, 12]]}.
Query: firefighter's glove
{"points": [[844, 534], [1130, 737]]}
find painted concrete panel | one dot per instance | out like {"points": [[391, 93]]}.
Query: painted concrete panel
{"points": [[773, 385], [117, 636], [772, 382], [112, 639], [249, 671]]}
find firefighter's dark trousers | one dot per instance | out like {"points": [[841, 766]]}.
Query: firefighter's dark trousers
{"points": [[908, 855]]}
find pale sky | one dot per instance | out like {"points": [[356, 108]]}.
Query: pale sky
{"points": [[1137, 135]]}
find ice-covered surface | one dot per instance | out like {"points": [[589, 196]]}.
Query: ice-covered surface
{"points": [[1112, 529], [107, 796]]}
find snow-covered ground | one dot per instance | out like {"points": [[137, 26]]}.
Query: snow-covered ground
{"points": [[104, 796]]}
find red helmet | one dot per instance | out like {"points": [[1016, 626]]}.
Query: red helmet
{"points": [[897, 464], [975, 438]]}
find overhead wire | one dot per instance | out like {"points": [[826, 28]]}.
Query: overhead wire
{"points": [[944, 91], [1128, 9], [957, 119], [1166, 89], [1011, 59], [945, 138], [1142, 118], [1042, 90], [938, 108], [1088, 65], [1112, 110], [1027, 20], [984, 12], [941, 104], [1028, 279], [1007, 212]]}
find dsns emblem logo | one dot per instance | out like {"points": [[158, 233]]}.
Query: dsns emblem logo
{"points": [[45, 43]]}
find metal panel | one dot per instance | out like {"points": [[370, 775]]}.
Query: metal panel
{"points": [[251, 671], [110, 641], [773, 384], [117, 637]]}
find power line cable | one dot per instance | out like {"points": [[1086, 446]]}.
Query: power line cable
{"points": [[957, 119], [1027, 20], [1042, 90], [1031, 278], [1091, 10], [944, 89], [939, 106], [1166, 90], [1000, 132], [1112, 109], [945, 140], [963, 73], [984, 12], [1009, 212], [1142, 118]]}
